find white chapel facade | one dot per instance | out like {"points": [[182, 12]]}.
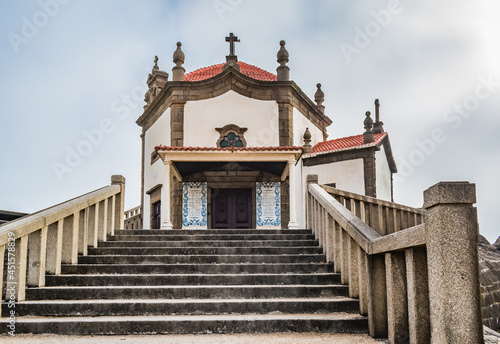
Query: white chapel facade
{"points": [[230, 146]]}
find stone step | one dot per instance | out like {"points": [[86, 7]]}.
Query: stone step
{"points": [[196, 268], [186, 237], [200, 259], [191, 279], [183, 324], [209, 231], [204, 250], [183, 307], [186, 292], [212, 243]]}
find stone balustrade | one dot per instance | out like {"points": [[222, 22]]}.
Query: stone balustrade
{"points": [[37, 244], [384, 217], [133, 218], [132, 212], [415, 272]]}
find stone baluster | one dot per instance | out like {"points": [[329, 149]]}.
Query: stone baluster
{"points": [[418, 295], [397, 304], [337, 234], [377, 297], [363, 281], [353, 268]]}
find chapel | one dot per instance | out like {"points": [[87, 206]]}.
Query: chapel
{"points": [[230, 146]]}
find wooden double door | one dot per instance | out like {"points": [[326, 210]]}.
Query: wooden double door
{"points": [[231, 208]]}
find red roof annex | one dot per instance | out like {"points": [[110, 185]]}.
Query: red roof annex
{"points": [[245, 68], [218, 149], [345, 143]]}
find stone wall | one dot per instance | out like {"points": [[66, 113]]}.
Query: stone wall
{"points": [[489, 264]]}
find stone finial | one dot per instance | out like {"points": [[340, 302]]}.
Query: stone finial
{"points": [[368, 134], [283, 70], [178, 58], [378, 125], [307, 141], [319, 98], [232, 58]]}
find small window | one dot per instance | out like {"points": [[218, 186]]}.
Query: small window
{"points": [[231, 136], [154, 157], [231, 140]]}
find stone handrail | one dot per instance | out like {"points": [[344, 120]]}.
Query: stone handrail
{"points": [[383, 216], [417, 285], [132, 212], [39, 243]]}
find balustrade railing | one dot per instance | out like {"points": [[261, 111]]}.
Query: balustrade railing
{"points": [[414, 271], [384, 217], [133, 218], [37, 244]]}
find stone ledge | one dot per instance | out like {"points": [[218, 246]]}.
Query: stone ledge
{"points": [[450, 193]]}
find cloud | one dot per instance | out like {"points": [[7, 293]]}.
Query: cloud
{"points": [[66, 78]]}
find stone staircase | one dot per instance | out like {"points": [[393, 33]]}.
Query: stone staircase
{"points": [[194, 281]]}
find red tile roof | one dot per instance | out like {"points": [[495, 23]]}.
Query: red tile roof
{"points": [[246, 69], [345, 143], [218, 149]]}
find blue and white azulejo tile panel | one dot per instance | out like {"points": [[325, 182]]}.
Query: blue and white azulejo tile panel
{"points": [[194, 205], [268, 205]]}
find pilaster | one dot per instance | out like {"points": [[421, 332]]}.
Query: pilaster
{"points": [[285, 124], [177, 124]]}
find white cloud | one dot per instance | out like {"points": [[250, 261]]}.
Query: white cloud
{"points": [[65, 79]]}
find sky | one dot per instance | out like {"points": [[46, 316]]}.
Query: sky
{"points": [[73, 78]]}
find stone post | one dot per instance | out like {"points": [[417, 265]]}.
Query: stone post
{"points": [[165, 197], [119, 202], [293, 200], [453, 265], [310, 179]]}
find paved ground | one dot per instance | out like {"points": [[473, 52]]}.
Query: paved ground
{"points": [[274, 338]]}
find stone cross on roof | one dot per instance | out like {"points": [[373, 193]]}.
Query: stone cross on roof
{"points": [[155, 67], [231, 39]]}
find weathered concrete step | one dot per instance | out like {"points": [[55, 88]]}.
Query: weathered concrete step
{"points": [[245, 237], [186, 292], [196, 268], [179, 324], [200, 259], [212, 243], [204, 250], [183, 307], [191, 279], [209, 231]]}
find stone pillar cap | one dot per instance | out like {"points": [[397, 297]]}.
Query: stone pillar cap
{"points": [[117, 179], [450, 193], [312, 178]]}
